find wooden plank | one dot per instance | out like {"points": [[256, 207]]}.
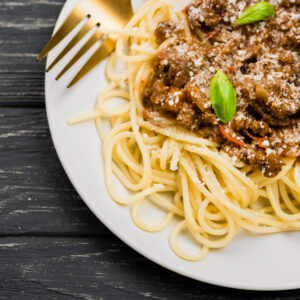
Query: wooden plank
{"points": [[26, 26], [36, 196], [102, 268]]}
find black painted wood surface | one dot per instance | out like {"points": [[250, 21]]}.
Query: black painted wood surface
{"points": [[51, 245]]}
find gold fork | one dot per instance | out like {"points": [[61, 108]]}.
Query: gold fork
{"points": [[106, 15]]}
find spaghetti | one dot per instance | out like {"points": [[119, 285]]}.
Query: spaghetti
{"points": [[213, 195]]}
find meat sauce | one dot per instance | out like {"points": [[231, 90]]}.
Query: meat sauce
{"points": [[262, 60]]}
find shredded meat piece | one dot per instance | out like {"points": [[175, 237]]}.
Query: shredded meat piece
{"points": [[262, 60]]}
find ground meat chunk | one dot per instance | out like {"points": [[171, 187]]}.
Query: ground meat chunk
{"points": [[208, 118], [265, 114], [245, 89], [198, 92], [179, 73], [164, 97], [279, 97], [287, 140], [161, 64], [188, 115], [244, 121], [288, 3], [159, 92], [212, 133], [174, 100], [205, 13], [269, 163], [165, 30], [178, 66], [262, 61]]}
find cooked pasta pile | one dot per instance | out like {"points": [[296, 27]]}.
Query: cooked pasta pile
{"points": [[213, 195]]}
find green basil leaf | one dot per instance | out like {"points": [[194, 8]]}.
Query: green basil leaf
{"points": [[222, 97], [260, 11]]}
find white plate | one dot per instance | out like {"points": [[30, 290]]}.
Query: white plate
{"points": [[269, 262]]}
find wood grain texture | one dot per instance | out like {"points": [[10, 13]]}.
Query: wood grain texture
{"points": [[85, 268], [51, 245], [36, 197], [26, 26]]}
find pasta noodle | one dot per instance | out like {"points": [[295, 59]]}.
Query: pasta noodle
{"points": [[212, 195]]}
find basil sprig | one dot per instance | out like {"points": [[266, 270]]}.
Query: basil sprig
{"points": [[222, 97], [260, 11]]}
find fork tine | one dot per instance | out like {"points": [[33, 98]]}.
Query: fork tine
{"points": [[82, 32], [68, 25], [101, 53], [94, 38]]}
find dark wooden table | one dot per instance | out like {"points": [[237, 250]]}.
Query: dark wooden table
{"points": [[51, 245]]}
